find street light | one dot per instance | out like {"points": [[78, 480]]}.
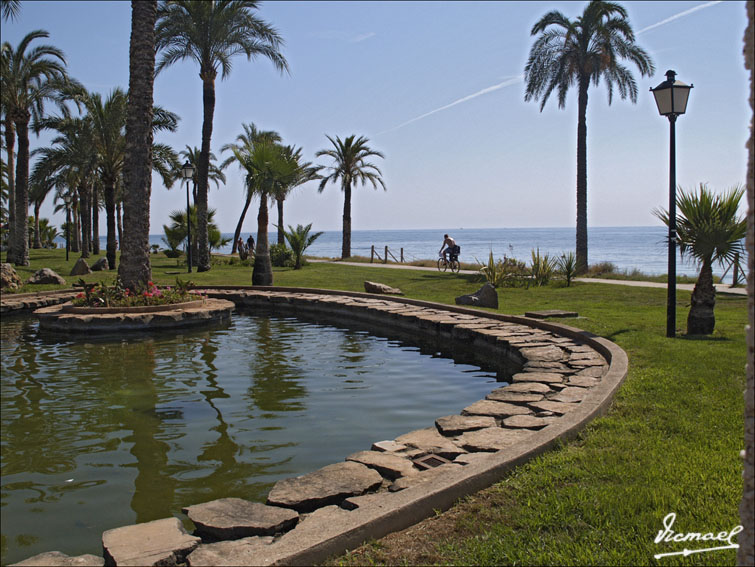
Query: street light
{"points": [[187, 171], [671, 98]]}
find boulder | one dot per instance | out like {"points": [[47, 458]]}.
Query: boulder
{"points": [[486, 296], [46, 276], [8, 277], [234, 518], [246, 551], [373, 287], [81, 268], [161, 542], [58, 559], [100, 265], [328, 485]]}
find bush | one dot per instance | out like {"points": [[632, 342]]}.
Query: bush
{"points": [[567, 267], [281, 256], [508, 272]]}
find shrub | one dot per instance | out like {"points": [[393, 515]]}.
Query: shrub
{"points": [[567, 267], [508, 272], [281, 256], [542, 268]]}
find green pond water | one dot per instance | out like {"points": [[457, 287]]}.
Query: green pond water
{"points": [[102, 432]]}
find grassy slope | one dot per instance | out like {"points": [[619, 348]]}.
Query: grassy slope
{"points": [[670, 442]]}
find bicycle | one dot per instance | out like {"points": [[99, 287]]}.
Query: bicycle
{"points": [[451, 263]]}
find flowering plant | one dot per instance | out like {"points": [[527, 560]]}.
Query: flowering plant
{"points": [[116, 295]]}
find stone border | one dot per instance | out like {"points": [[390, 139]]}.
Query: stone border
{"points": [[62, 319], [70, 308], [13, 303], [333, 529]]}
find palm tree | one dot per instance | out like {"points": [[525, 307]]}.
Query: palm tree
{"points": [[215, 173], [305, 171], [135, 269], [708, 230], [29, 79], [583, 51], [11, 9], [211, 33], [299, 240], [175, 234], [245, 144], [349, 166]]}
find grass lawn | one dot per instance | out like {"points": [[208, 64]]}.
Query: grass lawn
{"points": [[669, 443]]}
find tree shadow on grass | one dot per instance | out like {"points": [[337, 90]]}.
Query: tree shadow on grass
{"points": [[703, 338]]}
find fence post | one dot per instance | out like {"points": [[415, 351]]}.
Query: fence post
{"points": [[385, 259], [402, 255], [372, 254]]}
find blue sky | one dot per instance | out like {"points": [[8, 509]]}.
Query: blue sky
{"points": [[437, 87]]}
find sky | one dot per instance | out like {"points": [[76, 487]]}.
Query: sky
{"points": [[438, 88]]}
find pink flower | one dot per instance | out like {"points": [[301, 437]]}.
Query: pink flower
{"points": [[80, 295]]}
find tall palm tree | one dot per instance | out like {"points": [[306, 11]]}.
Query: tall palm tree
{"points": [[211, 33], [305, 171], [581, 51], [30, 77], [135, 269], [349, 166], [245, 144], [709, 230]]}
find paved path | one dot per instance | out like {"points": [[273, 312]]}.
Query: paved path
{"points": [[720, 288]]}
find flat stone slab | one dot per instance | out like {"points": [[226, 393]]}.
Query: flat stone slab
{"points": [[545, 353], [425, 476], [494, 409], [328, 485], [58, 559], [161, 542], [546, 377], [570, 395], [505, 395], [555, 407], [547, 366], [388, 465], [456, 424], [530, 387], [234, 518], [491, 439], [592, 371], [527, 421], [583, 381], [388, 446], [430, 441], [246, 551], [548, 313]]}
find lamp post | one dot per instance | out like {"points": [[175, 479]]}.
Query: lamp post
{"points": [[187, 171], [671, 98]]}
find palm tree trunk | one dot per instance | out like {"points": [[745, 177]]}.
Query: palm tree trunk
{"points": [[237, 234], [10, 142], [95, 221], [582, 178], [135, 269], [37, 239], [262, 273], [702, 319], [19, 252], [203, 242], [111, 245], [281, 238], [119, 224], [85, 205], [346, 242], [76, 242]]}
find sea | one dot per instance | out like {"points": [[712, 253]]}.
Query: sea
{"points": [[627, 248]]}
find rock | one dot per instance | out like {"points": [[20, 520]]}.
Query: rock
{"points": [[592, 371], [546, 377], [161, 542], [430, 441], [100, 265], [530, 387], [555, 407], [545, 353], [505, 395], [527, 421], [372, 287], [388, 446], [583, 381], [329, 485], [491, 439], [570, 395], [322, 521], [46, 276], [486, 296], [456, 424], [58, 559], [234, 518], [495, 409], [246, 551], [423, 477], [388, 465], [9, 278], [80, 268]]}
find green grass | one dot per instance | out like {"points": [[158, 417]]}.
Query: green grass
{"points": [[669, 443]]}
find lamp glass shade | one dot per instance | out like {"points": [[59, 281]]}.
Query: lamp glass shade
{"points": [[187, 170], [671, 98]]}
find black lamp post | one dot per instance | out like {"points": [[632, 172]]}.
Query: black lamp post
{"points": [[187, 171], [671, 97]]}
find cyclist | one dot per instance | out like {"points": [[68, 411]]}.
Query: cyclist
{"points": [[450, 247]]}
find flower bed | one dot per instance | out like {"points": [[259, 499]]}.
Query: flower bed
{"points": [[100, 296]]}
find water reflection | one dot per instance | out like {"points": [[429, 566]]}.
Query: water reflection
{"points": [[104, 432]]}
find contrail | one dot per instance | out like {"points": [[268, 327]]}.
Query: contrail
{"points": [[679, 15], [506, 83]]}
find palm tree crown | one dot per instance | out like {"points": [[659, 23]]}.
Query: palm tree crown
{"points": [[582, 52], [350, 165]]}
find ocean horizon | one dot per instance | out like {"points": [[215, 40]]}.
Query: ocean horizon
{"points": [[628, 248]]}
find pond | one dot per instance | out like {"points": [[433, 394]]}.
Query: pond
{"points": [[104, 432]]}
